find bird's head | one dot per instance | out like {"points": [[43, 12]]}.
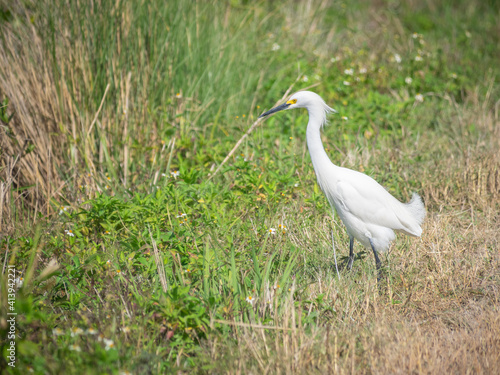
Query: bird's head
{"points": [[303, 99]]}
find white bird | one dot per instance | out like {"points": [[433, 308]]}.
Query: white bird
{"points": [[369, 212]]}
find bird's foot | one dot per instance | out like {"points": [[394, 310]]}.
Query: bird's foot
{"points": [[347, 264]]}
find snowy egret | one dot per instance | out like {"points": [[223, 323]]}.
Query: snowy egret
{"points": [[369, 212]]}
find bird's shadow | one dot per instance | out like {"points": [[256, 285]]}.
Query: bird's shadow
{"points": [[343, 261], [327, 267]]}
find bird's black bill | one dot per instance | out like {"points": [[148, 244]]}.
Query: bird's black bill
{"points": [[275, 109]]}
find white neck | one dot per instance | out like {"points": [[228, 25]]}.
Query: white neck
{"points": [[314, 144]]}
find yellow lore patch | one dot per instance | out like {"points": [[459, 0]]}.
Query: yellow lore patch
{"points": [[293, 101]]}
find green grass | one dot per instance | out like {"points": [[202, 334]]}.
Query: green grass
{"points": [[117, 98]]}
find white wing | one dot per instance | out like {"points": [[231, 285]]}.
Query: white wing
{"points": [[366, 199]]}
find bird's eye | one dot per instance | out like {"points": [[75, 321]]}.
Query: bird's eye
{"points": [[293, 101]]}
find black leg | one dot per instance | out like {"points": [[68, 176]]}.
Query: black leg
{"points": [[351, 253], [378, 264]]}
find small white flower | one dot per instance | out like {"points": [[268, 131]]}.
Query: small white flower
{"points": [[109, 344], [397, 58], [272, 230], [305, 78], [180, 215], [63, 209], [408, 80], [419, 98], [349, 72], [363, 70], [69, 233], [57, 332], [275, 47], [282, 228], [346, 83], [178, 95], [91, 331], [175, 174], [249, 299], [415, 35], [296, 184], [76, 331], [345, 118], [418, 58], [163, 175], [19, 282], [75, 348], [126, 329], [468, 34], [334, 59]]}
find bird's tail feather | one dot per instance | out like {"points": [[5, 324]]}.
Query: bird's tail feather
{"points": [[417, 208]]}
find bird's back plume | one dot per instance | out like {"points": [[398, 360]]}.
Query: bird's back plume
{"points": [[417, 208]]}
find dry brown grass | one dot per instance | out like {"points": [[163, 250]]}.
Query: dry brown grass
{"points": [[438, 314], [49, 137], [27, 81]]}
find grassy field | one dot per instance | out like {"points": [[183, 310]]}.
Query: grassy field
{"points": [[135, 257]]}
